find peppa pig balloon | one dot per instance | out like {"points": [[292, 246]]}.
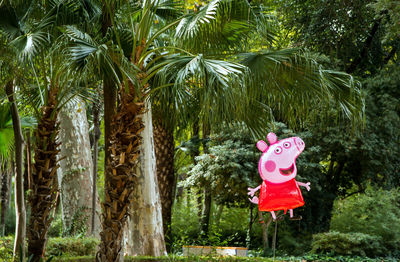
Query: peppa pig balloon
{"points": [[277, 168]]}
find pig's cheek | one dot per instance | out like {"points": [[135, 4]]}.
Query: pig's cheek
{"points": [[270, 166]]}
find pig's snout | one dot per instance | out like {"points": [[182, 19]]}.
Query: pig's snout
{"points": [[299, 143]]}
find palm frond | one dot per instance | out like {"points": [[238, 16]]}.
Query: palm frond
{"points": [[210, 89], [6, 130], [9, 22], [220, 25], [294, 84]]}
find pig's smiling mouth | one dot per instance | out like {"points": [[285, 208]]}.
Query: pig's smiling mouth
{"points": [[287, 171]]}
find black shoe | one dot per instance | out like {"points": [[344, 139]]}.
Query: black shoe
{"points": [[296, 218]]}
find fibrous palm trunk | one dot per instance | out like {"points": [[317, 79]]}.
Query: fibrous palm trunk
{"points": [[44, 177], [120, 179], [164, 149]]}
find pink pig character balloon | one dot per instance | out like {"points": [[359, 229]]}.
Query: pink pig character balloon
{"points": [[277, 167]]}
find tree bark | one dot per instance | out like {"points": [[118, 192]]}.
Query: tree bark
{"points": [[4, 194], [96, 137], [205, 216], [145, 235], [76, 170], [20, 231], [164, 148], [264, 226], [120, 176], [44, 177]]}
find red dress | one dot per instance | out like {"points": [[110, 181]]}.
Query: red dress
{"points": [[282, 196]]}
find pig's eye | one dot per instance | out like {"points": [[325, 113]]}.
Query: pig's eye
{"points": [[286, 145], [278, 150]]}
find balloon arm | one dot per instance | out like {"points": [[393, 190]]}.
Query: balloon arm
{"points": [[254, 200], [306, 185], [253, 190]]}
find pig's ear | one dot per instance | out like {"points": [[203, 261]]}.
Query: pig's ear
{"points": [[272, 138], [262, 146]]}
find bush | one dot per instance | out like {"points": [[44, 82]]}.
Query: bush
{"points": [[6, 251], [72, 246], [56, 227], [376, 213], [352, 244]]}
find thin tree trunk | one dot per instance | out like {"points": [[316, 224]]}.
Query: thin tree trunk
{"points": [[96, 137], [264, 227], [219, 215], [76, 169], [145, 235], [28, 159], [44, 177], [196, 152], [250, 227], [20, 231], [164, 148], [5, 177], [205, 216]]}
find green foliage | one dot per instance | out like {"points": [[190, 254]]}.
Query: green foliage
{"points": [[55, 247], [229, 167], [375, 213], [184, 224], [6, 251], [364, 30], [10, 222], [78, 226], [352, 244], [230, 229], [71, 246], [6, 130], [56, 227]]}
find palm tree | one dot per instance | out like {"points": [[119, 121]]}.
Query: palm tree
{"points": [[32, 29], [279, 81], [131, 57]]}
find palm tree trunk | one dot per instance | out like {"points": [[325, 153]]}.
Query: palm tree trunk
{"points": [[76, 169], [44, 177], [145, 235], [120, 179], [20, 231], [164, 149]]}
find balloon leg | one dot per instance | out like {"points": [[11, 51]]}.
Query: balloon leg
{"points": [[273, 215], [291, 212]]}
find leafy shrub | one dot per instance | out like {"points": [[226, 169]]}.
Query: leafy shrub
{"points": [[10, 222], [352, 244], [78, 226], [6, 251], [56, 227], [71, 246], [374, 213]]}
